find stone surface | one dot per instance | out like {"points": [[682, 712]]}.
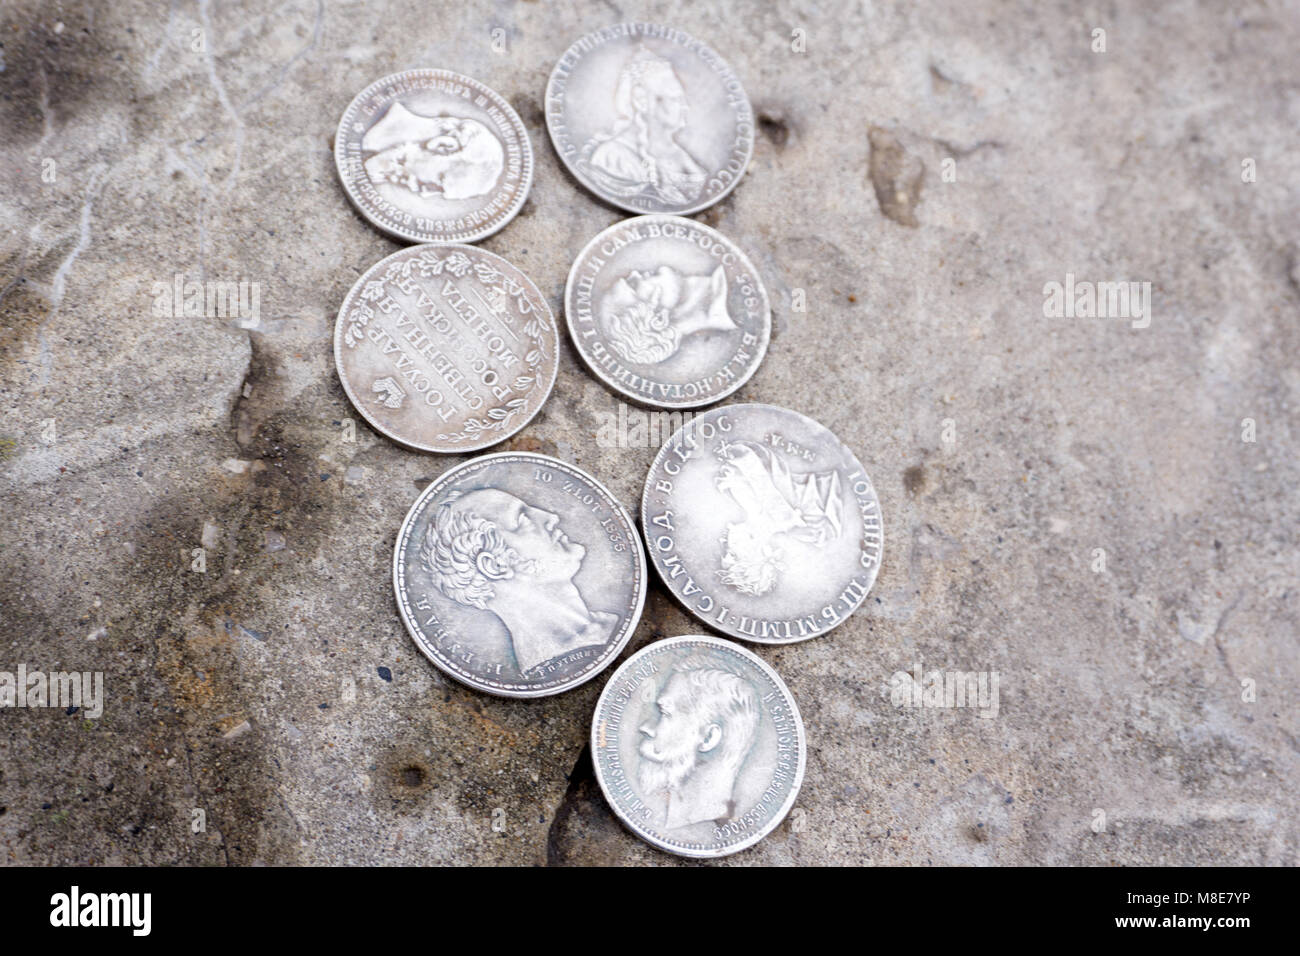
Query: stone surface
{"points": [[276, 690]]}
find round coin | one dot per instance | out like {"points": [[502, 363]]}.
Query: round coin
{"points": [[433, 156], [667, 311], [446, 348], [698, 746], [650, 119], [762, 523], [519, 575]]}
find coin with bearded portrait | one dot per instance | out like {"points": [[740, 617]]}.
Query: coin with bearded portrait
{"points": [[762, 523], [649, 119], [519, 574], [698, 746], [433, 156], [667, 312]]}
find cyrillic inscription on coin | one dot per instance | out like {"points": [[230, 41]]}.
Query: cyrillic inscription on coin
{"points": [[446, 348], [433, 156], [667, 311], [519, 574], [650, 119], [762, 523], [698, 746]]}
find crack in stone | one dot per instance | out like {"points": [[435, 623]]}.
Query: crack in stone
{"points": [[583, 772]]}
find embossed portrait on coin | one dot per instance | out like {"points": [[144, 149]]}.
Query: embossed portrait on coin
{"points": [[640, 152], [488, 549], [647, 315], [433, 156], [778, 504], [692, 754]]}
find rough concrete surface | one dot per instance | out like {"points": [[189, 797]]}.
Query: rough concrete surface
{"points": [[1147, 710]]}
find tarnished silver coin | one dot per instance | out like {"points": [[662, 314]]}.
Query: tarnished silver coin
{"points": [[433, 156], [667, 311], [762, 523], [446, 348], [519, 574], [698, 746], [650, 119]]}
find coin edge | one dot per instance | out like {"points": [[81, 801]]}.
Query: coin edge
{"points": [[635, 618], [787, 805]]}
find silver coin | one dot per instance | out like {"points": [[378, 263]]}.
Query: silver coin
{"points": [[698, 746], [762, 523], [433, 156], [446, 348], [650, 119], [667, 311], [519, 575]]}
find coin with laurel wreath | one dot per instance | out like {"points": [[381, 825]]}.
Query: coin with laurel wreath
{"points": [[446, 348]]}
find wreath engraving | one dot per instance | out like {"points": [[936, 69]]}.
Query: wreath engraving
{"points": [[433, 262]]}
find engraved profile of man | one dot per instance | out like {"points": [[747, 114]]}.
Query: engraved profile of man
{"points": [[640, 153], [692, 754], [648, 314], [777, 504], [490, 550], [433, 156]]}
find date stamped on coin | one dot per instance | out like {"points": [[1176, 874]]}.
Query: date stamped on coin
{"points": [[667, 312], [519, 575]]}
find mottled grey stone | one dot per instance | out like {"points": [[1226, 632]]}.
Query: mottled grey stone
{"points": [[195, 139]]}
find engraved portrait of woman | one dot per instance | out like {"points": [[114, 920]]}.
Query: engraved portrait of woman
{"points": [[640, 154]]}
